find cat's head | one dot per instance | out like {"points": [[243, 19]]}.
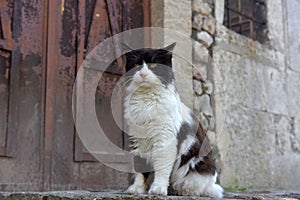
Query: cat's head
{"points": [[150, 67]]}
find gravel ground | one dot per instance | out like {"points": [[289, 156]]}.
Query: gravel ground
{"points": [[117, 195]]}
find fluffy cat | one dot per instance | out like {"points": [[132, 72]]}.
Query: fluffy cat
{"points": [[163, 131]]}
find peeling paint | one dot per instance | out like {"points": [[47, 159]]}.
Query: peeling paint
{"points": [[32, 66], [17, 29], [32, 59], [67, 78], [31, 10], [69, 23]]}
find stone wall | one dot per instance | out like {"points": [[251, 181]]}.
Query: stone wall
{"points": [[257, 102], [245, 93], [203, 31]]}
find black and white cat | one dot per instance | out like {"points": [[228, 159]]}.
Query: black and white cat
{"points": [[164, 131]]}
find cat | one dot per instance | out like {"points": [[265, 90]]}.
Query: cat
{"points": [[163, 131]]}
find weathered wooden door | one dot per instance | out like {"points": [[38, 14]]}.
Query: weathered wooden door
{"points": [[42, 44]]}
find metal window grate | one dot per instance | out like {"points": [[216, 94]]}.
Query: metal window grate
{"points": [[247, 17]]}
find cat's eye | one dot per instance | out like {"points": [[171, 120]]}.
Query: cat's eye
{"points": [[136, 65], [153, 65]]}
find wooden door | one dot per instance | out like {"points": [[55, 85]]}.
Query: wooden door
{"points": [[42, 44], [21, 94]]}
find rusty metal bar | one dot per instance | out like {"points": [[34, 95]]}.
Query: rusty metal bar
{"points": [[82, 35], [252, 15], [44, 86], [244, 16], [252, 30], [240, 13], [52, 68], [240, 16], [228, 14]]}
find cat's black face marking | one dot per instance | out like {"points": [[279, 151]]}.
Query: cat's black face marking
{"points": [[161, 58]]}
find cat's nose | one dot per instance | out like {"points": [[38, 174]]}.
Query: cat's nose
{"points": [[143, 75]]}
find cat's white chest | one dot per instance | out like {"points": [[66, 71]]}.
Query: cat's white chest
{"points": [[144, 108], [151, 108], [154, 116]]}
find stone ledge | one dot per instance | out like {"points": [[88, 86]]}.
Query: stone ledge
{"points": [[118, 195]]}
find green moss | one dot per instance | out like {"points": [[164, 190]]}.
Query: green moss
{"points": [[235, 189]]}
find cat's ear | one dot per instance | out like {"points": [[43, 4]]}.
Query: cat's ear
{"points": [[167, 52], [164, 53], [170, 48]]}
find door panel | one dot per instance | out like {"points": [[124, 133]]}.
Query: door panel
{"points": [[96, 21]]}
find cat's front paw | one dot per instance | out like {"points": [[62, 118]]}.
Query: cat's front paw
{"points": [[136, 189], [158, 189]]}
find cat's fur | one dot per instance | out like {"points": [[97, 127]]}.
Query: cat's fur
{"points": [[164, 131]]}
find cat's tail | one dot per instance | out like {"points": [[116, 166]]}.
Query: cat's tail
{"points": [[197, 184]]}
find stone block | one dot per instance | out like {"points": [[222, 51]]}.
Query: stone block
{"points": [[229, 77], [265, 88], [204, 38], [206, 106], [197, 22], [199, 72], [208, 87], [200, 53], [197, 105], [201, 7], [197, 87], [209, 24], [293, 93]]}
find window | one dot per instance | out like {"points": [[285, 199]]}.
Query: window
{"points": [[247, 17]]}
